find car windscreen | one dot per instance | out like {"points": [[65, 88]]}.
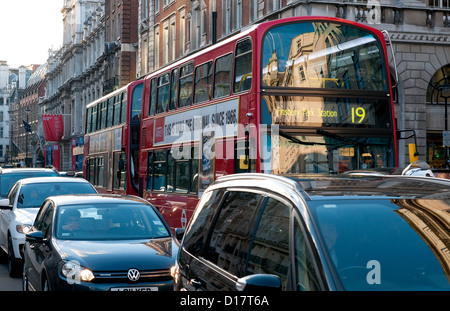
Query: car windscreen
{"points": [[8, 180], [33, 195], [384, 244], [108, 221]]}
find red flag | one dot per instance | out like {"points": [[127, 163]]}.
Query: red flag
{"points": [[53, 127]]}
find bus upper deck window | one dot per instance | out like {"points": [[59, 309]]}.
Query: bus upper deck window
{"points": [[243, 66], [203, 77], [222, 76], [185, 88], [162, 102]]}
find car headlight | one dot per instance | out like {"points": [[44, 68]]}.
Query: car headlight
{"points": [[23, 228], [75, 273]]}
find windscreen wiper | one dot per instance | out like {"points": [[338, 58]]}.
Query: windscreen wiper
{"points": [[298, 141], [337, 137]]}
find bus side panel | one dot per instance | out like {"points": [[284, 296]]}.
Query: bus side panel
{"points": [[224, 162], [146, 142], [85, 156], [126, 148], [176, 209]]}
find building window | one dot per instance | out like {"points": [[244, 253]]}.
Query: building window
{"points": [[439, 3], [166, 47], [441, 76], [238, 14], [144, 9], [226, 17], [156, 6], [253, 10], [182, 32], [144, 56], [156, 47], [119, 26], [173, 38]]}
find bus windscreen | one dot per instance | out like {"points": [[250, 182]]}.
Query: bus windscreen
{"points": [[323, 55]]}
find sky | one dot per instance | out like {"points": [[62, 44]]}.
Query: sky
{"points": [[28, 29]]}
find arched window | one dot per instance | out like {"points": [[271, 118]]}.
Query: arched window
{"points": [[434, 90], [438, 93]]}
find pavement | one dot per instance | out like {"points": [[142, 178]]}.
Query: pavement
{"points": [[7, 283]]}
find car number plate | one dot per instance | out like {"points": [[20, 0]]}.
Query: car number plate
{"points": [[135, 289]]}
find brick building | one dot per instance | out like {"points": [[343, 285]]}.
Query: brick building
{"points": [[121, 35]]}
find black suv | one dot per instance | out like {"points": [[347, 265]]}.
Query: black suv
{"points": [[257, 231]]}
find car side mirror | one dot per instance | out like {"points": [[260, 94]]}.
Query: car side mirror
{"points": [[258, 282], [4, 204], [179, 233], [34, 237]]}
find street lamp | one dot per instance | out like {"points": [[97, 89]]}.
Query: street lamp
{"points": [[27, 110], [11, 138], [444, 91]]}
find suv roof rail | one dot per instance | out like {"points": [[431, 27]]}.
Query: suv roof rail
{"points": [[282, 179]]}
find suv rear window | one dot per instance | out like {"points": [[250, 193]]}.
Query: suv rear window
{"points": [[196, 234], [231, 234]]}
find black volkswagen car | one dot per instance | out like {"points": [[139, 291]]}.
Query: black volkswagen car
{"points": [[301, 233], [98, 243]]}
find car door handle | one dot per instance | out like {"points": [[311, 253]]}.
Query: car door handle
{"points": [[195, 283]]}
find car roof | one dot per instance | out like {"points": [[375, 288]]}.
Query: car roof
{"points": [[75, 199], [317, 187], [24, 169], [52, 179]]}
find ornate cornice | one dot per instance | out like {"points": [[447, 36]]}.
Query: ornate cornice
{"points": [[422, 38]]}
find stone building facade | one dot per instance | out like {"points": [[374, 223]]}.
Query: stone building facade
{"points": [[74, 76], [31, 142]]}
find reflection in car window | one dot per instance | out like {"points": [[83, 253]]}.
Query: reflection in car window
{"points": [[322, 55], [306, 277], [195, 236], [33, 195], [8, 180], [109, 222], [44, 220], [269, 252], [381, 232], [232, 231]]}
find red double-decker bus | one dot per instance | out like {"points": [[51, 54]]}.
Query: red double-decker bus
{"points": [[111, 141], [295, 95]]}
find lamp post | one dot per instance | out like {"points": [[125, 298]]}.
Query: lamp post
{"points": [[27, 110], [444, 91], [11, 138]]}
